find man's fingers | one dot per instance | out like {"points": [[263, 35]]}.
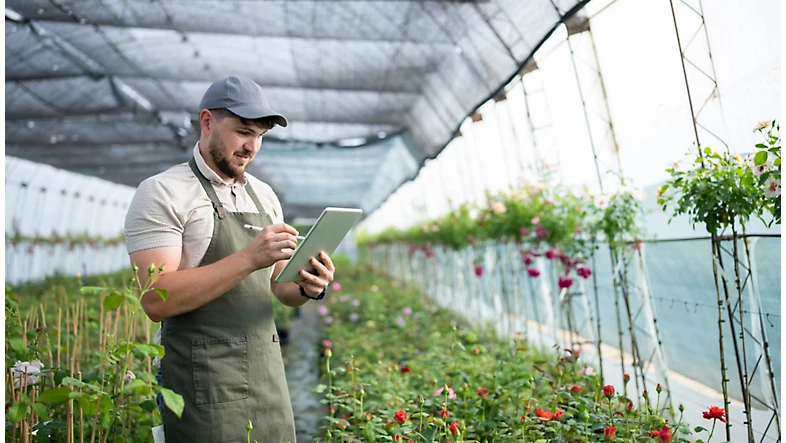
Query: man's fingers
{"points": [[283, 236], [327, 261], [322, 269], [282, 227], [286, 244]]}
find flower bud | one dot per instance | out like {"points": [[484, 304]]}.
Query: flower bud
{"points": [[151, 269], [626, 377], [249, 426], [658, 388], [645, 394], [328, 353], [682, 408]]}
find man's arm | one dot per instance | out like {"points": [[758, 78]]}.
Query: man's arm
{"points": [[289, 293], [192, 288]]}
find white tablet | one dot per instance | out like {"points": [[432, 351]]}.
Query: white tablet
{"points": [[326, 234]]}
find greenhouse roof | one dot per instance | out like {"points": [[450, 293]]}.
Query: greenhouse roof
{"points": [[372, 89]]}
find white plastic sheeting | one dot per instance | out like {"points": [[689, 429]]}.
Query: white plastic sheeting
{"points": [[42, 201], [639, 60]]}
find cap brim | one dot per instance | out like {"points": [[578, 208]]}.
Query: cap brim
{"points": [[253, 112]]}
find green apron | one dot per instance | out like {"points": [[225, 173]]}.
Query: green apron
{"points": [[224, 358]]}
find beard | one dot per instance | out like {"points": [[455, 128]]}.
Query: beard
{"points": [[221, 158]]}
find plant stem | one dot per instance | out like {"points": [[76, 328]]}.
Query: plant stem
{"points": [[712, 430]]}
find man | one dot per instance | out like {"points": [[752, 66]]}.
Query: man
{"points": [[222, 351]]}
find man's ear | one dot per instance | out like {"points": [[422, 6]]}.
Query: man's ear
{"points": [[206, 121]]}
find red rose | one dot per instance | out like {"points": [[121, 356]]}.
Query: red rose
{"points": [[533, 272], [654, 434], [609, 432], [444, 413], [564, 282], [626, 377], [397, 437], [608, 391], [558, 414], [400, 416], [576, 388], [405, 369], [523, 418], [454, 427], [715, 413], [476, 350], [665, 435], [543, 415], [658, 388], [551, 253], [479, 270], [483, 392]]}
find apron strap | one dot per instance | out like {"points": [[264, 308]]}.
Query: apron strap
{"points": [[254, 198], [208, 187]]}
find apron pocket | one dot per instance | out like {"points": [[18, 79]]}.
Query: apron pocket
{"points": [[220, 369]]}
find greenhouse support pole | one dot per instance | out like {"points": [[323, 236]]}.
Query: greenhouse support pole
{"points": [[724, 375], [746, 392], [599, 342], [766, 345], [652, 321]]}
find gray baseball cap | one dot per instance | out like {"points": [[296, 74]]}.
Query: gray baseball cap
{"points": [[241, 96]]}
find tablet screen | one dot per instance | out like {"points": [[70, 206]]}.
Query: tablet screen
{"points": [[326, 234]]}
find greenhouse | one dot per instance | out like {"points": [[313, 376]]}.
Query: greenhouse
{"points": [[570, 229]]}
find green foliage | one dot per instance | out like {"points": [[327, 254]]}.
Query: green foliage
{"points": [[536, 215], [391, 350], [720, 190], [114, 391]]}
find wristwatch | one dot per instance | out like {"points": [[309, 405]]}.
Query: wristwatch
{"points": [[318, 297]]}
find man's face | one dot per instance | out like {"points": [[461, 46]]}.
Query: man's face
{"points": [[233, 144]]}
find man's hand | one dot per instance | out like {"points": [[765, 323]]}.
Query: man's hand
{"points": [[312, 284], [268, 246]]}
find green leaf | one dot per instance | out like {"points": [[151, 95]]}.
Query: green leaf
{"points": [[698, 429], [429, 434], [320, 388], [761, 146], [777, 162], [145, 350], [148, 405], [131, 298], [42, 411], [163, 293], [113, 301], [92, 290], [18, 345], [55, 396], [173, 401], [760, 158], [88, 405], [60, 375], [707, 151], [70, 381], [134, 384], [17, 412]]}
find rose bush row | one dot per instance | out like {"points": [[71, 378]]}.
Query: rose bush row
{"points": [[398, 368]]}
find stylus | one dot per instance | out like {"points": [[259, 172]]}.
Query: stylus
{"points": [[257, 228]]}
